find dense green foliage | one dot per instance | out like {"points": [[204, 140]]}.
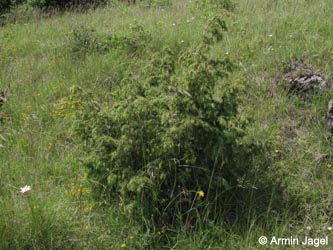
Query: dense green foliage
{"points": [[161, 140], [6, 5], [88, 40], [62, 3], [49, 5]]}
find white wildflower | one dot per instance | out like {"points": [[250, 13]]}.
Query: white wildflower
{"points": [[25, 189]]}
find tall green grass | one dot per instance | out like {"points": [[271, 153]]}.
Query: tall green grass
{"points": [[39, 149]]}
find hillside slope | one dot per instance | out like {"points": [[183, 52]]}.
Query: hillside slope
{"points": [[44, 61]]}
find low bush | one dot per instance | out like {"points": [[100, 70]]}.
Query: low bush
{"points": [[132, 42], [169, 144], [84, 39]]}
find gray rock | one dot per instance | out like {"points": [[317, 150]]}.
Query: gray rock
{"points": [[308, 82], [299, 78]]}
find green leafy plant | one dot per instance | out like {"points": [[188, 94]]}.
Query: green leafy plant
{"points": [[132, 41], [170, 138], [86, 39]]}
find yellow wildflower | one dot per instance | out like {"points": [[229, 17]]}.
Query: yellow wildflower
{"points": [[86, 210], [329, 165], [123, 245], [201, 193]]}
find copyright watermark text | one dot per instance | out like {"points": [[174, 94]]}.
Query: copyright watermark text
{"points": [[293, 241]]}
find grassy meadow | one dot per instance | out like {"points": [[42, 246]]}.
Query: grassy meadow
{"points": [[44, 58]]}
